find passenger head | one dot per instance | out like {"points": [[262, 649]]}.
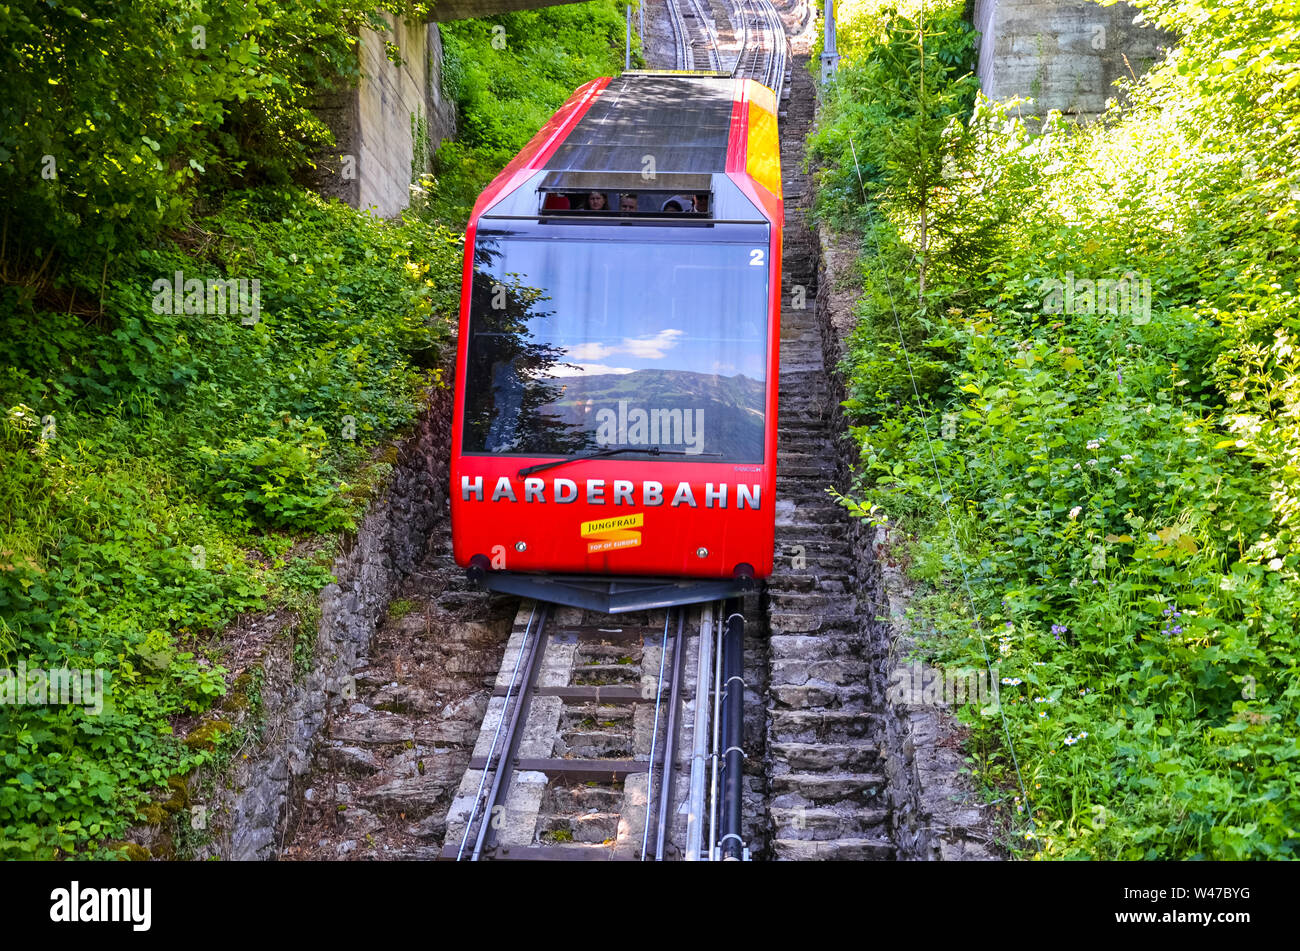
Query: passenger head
{"points": [[672, 205], [627, 202], [702, 203], [596, 201]]}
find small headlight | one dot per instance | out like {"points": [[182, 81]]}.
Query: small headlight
{"points": [[701, 552], [521, 546]]}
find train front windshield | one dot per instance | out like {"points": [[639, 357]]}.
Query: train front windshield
{"points": [[628, 337]]}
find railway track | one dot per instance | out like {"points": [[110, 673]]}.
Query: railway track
{"points": [[696, 37], [763, 51], [586, 749], [761, 44], [605, 739]]}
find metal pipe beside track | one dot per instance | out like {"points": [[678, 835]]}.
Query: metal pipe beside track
{"points": [[714, 748], [699, 749], [732, 845]]}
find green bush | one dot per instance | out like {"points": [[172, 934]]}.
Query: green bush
{"points": [[1102, 495], [118, 117], [155, 470], [508, 74]]}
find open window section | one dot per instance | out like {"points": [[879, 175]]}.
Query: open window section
{"points": [[601, 201], [625, 194], [583, 340]]}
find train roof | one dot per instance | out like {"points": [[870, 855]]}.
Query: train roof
{"points": [[684, 121], [641, 132]]}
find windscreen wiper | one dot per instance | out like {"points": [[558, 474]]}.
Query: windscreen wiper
{"points": [[651, 451]]}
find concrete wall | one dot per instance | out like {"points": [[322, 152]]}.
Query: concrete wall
{"points": [[1063, 55], [370, 165]]}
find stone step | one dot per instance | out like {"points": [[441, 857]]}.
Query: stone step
{"points": [[853, 697], [821, 473], [829, 565], [823, 824], [798, 622], [808, 535], [826, 757], [831, 582], [855, 850], [808, 513], [588, 652], [807, 726], [811, 647], [866, 789], [843, 672]]}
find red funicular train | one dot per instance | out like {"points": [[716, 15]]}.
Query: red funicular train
{"points": [[614, 443]]}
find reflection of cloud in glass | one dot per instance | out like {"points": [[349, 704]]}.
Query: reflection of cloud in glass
{"points": [[569, 369], [653, 347]]}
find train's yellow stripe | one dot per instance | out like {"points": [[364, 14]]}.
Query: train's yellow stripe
{"points": [[763, 149]]}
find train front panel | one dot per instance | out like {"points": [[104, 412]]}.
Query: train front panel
{"points": [[618, 360]]}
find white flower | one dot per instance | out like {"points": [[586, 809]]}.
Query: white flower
{"points": [[1074, 512], [1127, 457], [1093, 444], [1077, 466]]}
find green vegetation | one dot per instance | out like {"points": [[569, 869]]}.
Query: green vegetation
{"points": [[1101, 494], [507, 75], [180, 459], [165, 463], [101, 144]]}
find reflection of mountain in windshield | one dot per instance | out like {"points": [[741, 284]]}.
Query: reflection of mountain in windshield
{"points": [[698, 412]]}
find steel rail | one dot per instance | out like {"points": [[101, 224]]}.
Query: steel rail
{"points": [[670, 744], [695, 801], [654, 735], [505, 764], [717, 735], [514, 677]]}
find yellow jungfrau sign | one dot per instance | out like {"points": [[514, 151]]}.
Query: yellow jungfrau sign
{"points": [[608, 534]]}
